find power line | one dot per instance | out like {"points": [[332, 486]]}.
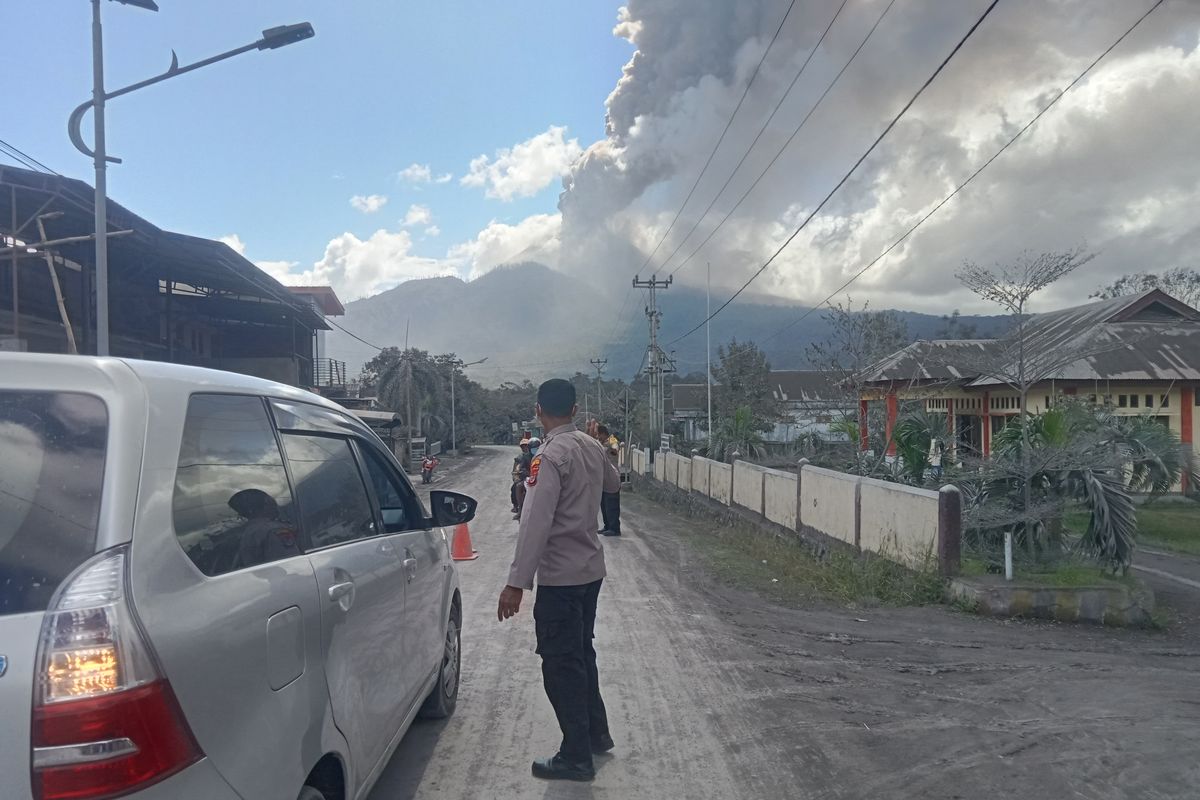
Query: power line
{"points": [[787, 143], [846, 177], [717, 146], [354, 335], [972, 177], [796, 79], [24, 158]]}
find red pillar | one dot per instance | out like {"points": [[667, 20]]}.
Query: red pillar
{"points": [[891, 422], [863, 439], [987, 424], [1187, 434]]}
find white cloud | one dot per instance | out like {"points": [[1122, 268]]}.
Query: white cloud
{"points": [[526, 168], [444, 178], [534, 238], [235, 243], [282, 271], [417, 215], [416, 173], [433, 230], [1106, 166], [368, 204]]}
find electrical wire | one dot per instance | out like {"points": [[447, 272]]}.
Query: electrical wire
{"points": [[720, 139], [969, 179], [846, 177], [24, 158], [787, 143], [762, 130]]}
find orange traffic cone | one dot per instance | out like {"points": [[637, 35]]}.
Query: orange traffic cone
{"points": [[461, 549]]}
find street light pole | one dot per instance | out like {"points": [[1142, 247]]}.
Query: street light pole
{"points": [[272, 39], [100, 160], [455, 365]]}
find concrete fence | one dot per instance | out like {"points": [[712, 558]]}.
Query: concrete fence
{"points": [[915, 527]]}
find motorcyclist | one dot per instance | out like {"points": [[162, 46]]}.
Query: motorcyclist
{"points": [[428, 465], [522, 466]]}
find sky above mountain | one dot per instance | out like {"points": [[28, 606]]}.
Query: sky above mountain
{"points": [[423, 139]]}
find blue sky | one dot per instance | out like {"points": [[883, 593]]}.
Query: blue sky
{"points": [[272, 145]]}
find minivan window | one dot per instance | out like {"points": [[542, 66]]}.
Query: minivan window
{"points": [[233, 507], [334, 507], [397, 502], [52, 450]]}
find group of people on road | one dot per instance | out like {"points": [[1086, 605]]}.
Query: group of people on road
{"points": [[566, 483]]}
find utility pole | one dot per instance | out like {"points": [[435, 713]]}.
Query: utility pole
{"points": [[599, 364], [657, 362], [408, 451], [708, 342]]}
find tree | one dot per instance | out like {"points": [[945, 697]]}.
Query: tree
{"points": [[954, 328], [858, 338], [743, 381], [736, 435], [1015, 362], [1073, 455], [1181, 283]]}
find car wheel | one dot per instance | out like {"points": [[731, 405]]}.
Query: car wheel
{"points": [[444, 697], [311, 793]]}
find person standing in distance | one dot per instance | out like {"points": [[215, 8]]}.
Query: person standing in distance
{"points": [[557, 542], [610, 502]]}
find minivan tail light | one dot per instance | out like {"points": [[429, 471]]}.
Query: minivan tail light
{"points": [[105, 721]]}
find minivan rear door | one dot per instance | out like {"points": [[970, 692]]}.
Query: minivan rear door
{"points": [[52, 460]]}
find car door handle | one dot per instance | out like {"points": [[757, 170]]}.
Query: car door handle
{"points": [[410, 567], [338, 591]]}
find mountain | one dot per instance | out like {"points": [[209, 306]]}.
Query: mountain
{"points": [[532, 322], [514, 316]]}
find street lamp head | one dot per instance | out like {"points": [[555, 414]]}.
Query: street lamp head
{"points": [[149, 5], [285, 34]]}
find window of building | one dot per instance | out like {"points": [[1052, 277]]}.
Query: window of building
{"points": [[1123, 401], [232, 506], [1164, 401], [1133, 401], [334, 507], [1149, 401]]}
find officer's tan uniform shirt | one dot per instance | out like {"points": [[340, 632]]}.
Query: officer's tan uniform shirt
{"points": [[557, 540]]}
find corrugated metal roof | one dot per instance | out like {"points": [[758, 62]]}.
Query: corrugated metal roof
{"points": [[1147, 336]]}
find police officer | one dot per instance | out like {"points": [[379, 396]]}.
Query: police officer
{"points": [[557, 541]]}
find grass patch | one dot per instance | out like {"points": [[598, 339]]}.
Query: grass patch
{"points": [[1066, 574], [1167, 525], [788, 571]]}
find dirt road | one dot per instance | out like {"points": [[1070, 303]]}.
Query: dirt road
{"points": [[716, 694]]}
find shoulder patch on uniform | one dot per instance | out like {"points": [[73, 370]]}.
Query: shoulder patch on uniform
{"points": [[534, 466]]}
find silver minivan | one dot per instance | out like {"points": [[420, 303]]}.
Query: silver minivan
{"points": [[211, 586]]}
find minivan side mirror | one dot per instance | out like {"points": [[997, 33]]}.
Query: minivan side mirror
{"points": [[451, 508]]}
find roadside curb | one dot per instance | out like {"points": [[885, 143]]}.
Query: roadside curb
{"points": [[1115, 605]]}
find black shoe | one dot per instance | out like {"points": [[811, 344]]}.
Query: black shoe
{"points": [[602, 745], [559, 769], [607, 532]]}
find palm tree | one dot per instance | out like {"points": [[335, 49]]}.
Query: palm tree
{"points": [[737, 434], [1078, 456]]}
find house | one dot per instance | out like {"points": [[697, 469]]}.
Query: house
{"points": [[1139, 354], [811, 400], [813, 403], [172, 297]]}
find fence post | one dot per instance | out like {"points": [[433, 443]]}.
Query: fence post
{"points": [[949, 530], [858, 513], [799, 493]]}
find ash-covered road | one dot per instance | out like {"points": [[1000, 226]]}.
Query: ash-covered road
{"points": [[713, 693]]}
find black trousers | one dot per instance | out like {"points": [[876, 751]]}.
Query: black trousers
{"points": [[610, 511], [565, 620]]}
